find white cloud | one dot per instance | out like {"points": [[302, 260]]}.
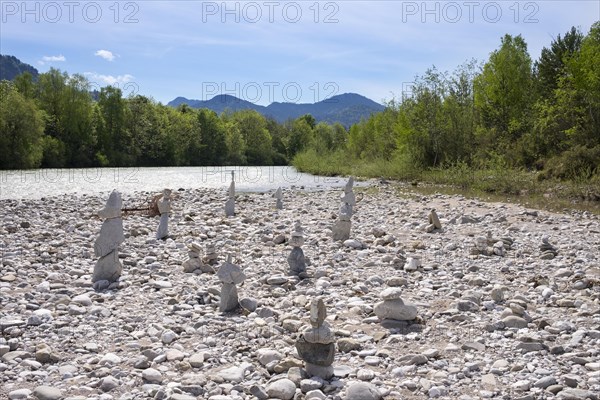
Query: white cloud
{"points": [[107, 55], [59, 58], [103, 80]]}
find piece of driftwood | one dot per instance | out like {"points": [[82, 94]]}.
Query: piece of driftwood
{"points": [[149, 210]]}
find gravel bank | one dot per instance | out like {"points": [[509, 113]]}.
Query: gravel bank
{"points": [[507, 298]]}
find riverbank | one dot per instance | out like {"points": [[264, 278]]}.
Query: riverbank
{"points": [[498, 183], [519, 321]]}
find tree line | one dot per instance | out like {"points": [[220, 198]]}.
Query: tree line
{"points": [[508, 112], [56, 121]]}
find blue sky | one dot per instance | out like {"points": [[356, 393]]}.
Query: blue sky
{"points": [[264, 51]]}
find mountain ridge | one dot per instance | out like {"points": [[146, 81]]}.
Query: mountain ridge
{"points": [[346, 108], [11, 67]]}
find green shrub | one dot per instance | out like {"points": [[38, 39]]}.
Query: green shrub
{"points": [[579, 162]]}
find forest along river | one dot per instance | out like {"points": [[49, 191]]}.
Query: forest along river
{"points": [[35, 184]]}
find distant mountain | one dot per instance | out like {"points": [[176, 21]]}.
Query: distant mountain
{"points": [[347, 108], [11, 67], [218, 104]]}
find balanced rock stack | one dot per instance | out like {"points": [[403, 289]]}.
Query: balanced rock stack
{"points": [[230, 275], [341, 228], [348, 199], [164, 208], [211, 257], [515, 315], [392, 311], [547, 249], [279, 199], [296, 259], [434, 222], [194, 262], [108, 268], [481, 247], [230, 203], [316, 344], [490, 246]]}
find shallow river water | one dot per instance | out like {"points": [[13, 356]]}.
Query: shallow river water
{"points": [[21, 184]]}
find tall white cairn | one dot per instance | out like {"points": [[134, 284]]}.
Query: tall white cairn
{"points": [[341, 227], [164, 208], [108, 267], [230, 203]]}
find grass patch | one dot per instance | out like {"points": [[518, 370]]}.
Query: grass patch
{"points": [[492, 182]]}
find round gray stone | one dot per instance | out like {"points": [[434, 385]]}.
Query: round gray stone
{"points": [[362, 391], [152, 375], [512, 321], [395, 309], [19, 394], [47, 393], [283, 389]]}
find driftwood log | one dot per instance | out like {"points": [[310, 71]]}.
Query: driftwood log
{"points": [[150, 210]]}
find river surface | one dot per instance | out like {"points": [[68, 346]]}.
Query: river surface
{"points": [[34, 184]]}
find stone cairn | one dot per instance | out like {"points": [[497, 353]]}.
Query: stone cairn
{"points": [[392, 311], [230, 275], [230, 203], [194, 262], [108, 268], [316, 344], [434, 222], [341, 228], [164, 208], [490, 246], [547, 249], [211, 256], [279, 199], [296, 259]]}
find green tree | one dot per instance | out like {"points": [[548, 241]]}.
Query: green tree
{"points": [[579, 91], [565, 136], [253, 127], [340, 136], [114, 142], [459, 115], [26, 85], [310, 120], [52, 86], [374, 137], [323, 138], [183, 123], [21, 128], [503, 94], [77, 131], [68, 106], [147, 124], [236, 145], [551, 65], [53, 151], [214, 148], [422, 123], [301, 135], [279, 137]]}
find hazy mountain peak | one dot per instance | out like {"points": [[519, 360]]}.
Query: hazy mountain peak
{"points": [[346, 108]]}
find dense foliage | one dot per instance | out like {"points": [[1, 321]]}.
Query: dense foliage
{"points": [[507, 113], [55, 121]]}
